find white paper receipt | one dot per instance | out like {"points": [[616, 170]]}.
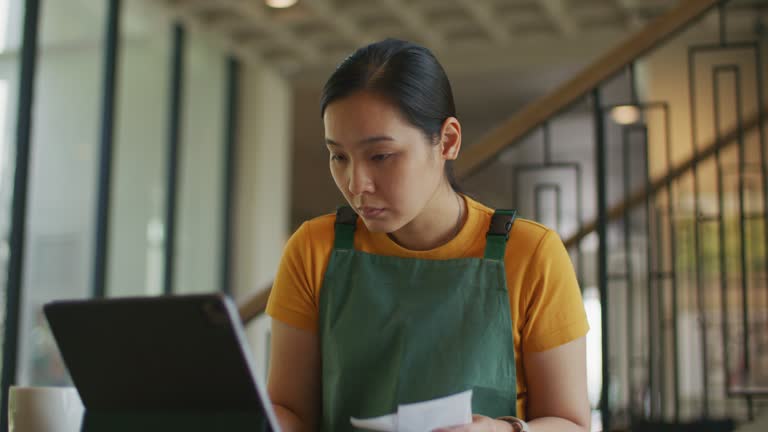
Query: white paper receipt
{"points": [[454, 410]]}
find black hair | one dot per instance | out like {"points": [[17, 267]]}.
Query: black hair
{"points": [[408, 75]]}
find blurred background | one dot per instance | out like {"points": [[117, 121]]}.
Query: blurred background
{"points": [[150, 147]]}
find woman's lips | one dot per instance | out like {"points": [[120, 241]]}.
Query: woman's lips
{"points": [[370, 212]]}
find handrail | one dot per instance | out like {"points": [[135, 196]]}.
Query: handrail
{"points": [[255, 304], [538, 112], [639, 196]]}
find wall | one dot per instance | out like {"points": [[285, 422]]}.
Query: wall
{"points": [[262, 219]]}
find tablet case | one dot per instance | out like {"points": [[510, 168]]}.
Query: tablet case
{"points": [[160, 363]]}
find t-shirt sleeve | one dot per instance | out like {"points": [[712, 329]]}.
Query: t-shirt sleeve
{"points": [[292, 299], [555, 312]]}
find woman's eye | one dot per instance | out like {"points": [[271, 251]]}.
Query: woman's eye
{"points": [[381, 157], [337, 157]]}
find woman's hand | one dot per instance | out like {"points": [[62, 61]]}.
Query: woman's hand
{"points": [[480, 424]]}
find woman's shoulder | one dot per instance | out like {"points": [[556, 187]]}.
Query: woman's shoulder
{"points": [[524, 231], [536, 247], [529, 232], [317, 231], [321, 223]]}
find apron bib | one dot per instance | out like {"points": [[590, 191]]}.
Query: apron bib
{"points": [[401, 330]]}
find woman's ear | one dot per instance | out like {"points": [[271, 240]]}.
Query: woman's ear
{"points": [[450, 139]]}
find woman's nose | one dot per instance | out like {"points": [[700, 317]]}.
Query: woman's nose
{"points": [[360, 180]]}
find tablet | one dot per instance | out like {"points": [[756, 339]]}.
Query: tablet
{"points": [[172, 353]]}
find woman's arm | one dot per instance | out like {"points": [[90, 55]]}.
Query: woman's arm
{"points": [[294, 377], [557, 388]]}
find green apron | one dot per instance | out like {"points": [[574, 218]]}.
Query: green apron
{"points": [[402, 330]]}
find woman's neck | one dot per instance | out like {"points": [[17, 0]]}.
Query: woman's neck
{"points": [[437, 224]]}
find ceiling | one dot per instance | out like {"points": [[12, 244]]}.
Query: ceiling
{"points": [[317, 34]]}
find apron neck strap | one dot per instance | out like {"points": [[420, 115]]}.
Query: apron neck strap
{"points": [[495, 240], [498, 234], [346, 220]]}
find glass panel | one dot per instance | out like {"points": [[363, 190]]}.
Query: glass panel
{"points": [[136, 241], [11, 22], [63, 171], [200, 179], [10, 32]]}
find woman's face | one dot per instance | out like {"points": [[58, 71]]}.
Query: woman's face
{"points": [[385, 167]]}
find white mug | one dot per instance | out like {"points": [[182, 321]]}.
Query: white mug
{"points": [[44, 409]]}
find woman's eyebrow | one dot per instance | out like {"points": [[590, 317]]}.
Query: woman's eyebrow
{"points": [[369, 140]]}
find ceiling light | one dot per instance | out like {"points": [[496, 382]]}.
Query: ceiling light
{"points": [[280, 4], [625, 114]]}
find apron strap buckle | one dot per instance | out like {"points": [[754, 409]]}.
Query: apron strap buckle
{"points": [[501, 223], [346, 221], [498, 234], [346, 215]]}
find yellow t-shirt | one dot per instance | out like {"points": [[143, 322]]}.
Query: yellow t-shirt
{"points": [[544, 297]]}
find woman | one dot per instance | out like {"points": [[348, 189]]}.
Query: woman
{"points": [[415, 291]]}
